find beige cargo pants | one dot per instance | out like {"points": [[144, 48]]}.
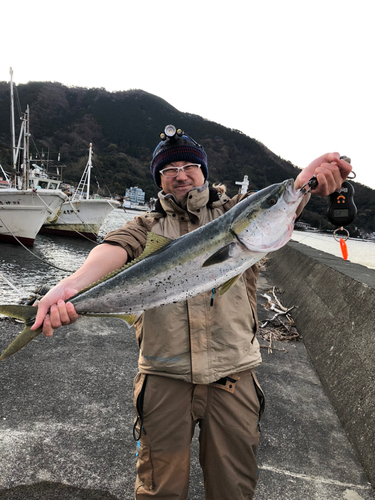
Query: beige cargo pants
{"points": [[228, 414]]}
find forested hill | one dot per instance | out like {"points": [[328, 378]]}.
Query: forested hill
{"points": [[124, 128]]}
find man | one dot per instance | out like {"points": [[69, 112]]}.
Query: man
{"points": [[197, 357]]}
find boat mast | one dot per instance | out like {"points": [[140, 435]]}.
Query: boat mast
{"points": [[21, 178], [85, 180], [26, 147], [12, 120], [89, 167], [28, 135]]}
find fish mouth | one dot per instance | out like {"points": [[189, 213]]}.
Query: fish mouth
{"points": [[291, 194]]}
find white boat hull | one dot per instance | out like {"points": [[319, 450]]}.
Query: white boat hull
{"points": [[81, 217], [23, 212]]}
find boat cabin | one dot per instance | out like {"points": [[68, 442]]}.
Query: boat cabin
{"points": [[39, 179]]}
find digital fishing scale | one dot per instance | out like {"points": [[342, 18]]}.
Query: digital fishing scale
{"points": [[341, 210]]}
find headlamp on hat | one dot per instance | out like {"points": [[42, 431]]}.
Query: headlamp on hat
{"points": [[176, 145], [170, 132]]}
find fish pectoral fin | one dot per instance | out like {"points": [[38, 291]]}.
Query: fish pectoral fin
{"points": [[220, 256], [225, 287], [26, 314], [129, 319]]}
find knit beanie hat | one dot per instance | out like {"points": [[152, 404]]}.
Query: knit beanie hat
{"points": [[173, 149]]}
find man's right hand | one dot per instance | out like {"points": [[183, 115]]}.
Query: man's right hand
{"points": [[53, 311]]}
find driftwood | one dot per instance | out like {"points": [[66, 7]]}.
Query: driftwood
{"points": [[281, 326]]}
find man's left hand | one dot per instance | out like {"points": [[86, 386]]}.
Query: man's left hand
{"points": [[330, 172]]}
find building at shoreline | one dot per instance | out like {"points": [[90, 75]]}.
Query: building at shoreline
{"points": [[135, 195]]}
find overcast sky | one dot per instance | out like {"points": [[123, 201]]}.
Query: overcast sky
{"points": [[296, 75]]}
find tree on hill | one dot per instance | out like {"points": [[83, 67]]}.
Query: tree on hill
{"points": [[123, 128]]}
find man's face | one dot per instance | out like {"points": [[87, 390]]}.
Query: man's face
{"points": [[179, 186]]}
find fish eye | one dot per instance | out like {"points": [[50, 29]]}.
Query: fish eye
{"points": [[272, 201]]}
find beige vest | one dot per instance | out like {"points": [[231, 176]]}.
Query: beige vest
{"points": [[194, 340]]}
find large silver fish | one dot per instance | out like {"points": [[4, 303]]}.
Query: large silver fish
{"points": [[169, 271]]}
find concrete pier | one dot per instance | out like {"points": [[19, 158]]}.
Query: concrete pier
{"points": [[335, 314], [66, 413]]}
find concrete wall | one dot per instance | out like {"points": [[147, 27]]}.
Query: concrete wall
{"points": [[335, 315]]}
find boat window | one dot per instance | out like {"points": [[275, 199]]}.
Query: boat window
{"points": [[43, 184]]}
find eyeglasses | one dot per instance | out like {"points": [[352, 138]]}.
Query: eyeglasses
{"points": [[189, 169]]}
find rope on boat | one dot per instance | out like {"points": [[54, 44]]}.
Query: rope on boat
{"points": [[110, 204], [115, 208], [83, 222], [57, 217], [32, 253]]}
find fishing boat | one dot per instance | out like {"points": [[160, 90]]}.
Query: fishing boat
{"points": [[134, 208], [24, 204], [82, 215]]}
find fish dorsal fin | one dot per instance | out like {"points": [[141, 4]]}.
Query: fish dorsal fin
{"points": [[154, 242], [225, 287]]}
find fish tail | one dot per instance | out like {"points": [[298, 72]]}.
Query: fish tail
{"points": [[27, 315]]}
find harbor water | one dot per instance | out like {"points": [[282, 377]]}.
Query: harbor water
{"points": [[23, 271]]}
